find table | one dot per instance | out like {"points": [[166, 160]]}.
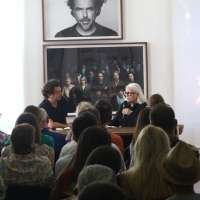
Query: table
{"points": [[122, 131]]}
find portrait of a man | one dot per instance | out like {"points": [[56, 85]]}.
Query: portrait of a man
{"points": [[82, 19]]}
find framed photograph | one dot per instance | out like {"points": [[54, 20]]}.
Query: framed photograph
{"points": [[96, 71], [82, 19]]}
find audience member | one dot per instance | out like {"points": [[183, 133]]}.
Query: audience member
{"points": [[82, 105], [106, 156], [181, 169], [3, 138], [90, 139], [93, 173], [23, 167], [143, 181], [97, 115], [39, 149], [105, 110], [142, 121], [2, 189], [45, 139], [54, 104], [59, 139], [101, 191], [127, 114], [79, 124], [155, 99]]}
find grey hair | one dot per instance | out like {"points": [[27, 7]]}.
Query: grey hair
{"points": [[44, 114], [136, 88], [81, 106]]}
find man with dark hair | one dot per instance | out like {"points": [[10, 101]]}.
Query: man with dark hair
{"points": [[163, 116], [54, 104], [105, 110], [80, 123], [85, 13]]}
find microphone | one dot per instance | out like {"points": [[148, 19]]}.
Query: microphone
{"points": [[122, 109]]}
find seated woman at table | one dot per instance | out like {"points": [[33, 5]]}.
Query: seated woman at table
{"points": [[127, 113], [23, 166]]}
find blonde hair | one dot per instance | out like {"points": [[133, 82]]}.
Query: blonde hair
{"points": [[150, 143], [83, 105], [136, 88]]}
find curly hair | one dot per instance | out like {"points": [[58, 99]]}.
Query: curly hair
{"points": [[98, 3], [48, 87]]}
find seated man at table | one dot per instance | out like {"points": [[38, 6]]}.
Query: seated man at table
{"points": [[54, 104]]}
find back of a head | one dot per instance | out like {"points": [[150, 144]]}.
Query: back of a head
{"points": [[101, 191], [111, 160], [35, 111], [83, 121], [142, 121], [150, 143], [93, 111], [91, 138], [105, 110], [162, 116], [179, 166], [83, 105], [44, 115], [93, 173], [30, 119], [155, 99], [21, 138]]}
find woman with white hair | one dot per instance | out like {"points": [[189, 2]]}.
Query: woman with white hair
{"points": [[127, 113]]}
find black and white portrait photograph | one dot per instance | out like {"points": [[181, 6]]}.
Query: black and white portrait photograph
{"points": [[93, 72], [82, 19]]}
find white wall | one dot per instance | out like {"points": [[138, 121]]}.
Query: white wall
{"points": [[144, 21]]}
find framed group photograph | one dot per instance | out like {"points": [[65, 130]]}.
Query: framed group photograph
{"points": [[82, 20], [96, 71]]}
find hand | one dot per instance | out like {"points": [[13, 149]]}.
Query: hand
{"points": [[126, 111], [69, 124]]}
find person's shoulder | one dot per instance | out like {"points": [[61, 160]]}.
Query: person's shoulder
{"points": [[43, 104], [104, 31], [68, 32]]}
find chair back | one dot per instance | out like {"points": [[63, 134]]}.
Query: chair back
{"points": [[27, 193]]}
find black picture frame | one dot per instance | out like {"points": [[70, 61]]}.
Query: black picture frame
{"points": [[57, 16], [62, 61]]}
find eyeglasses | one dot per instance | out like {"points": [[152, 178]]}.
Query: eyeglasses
{"points": [[129, 93]]}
